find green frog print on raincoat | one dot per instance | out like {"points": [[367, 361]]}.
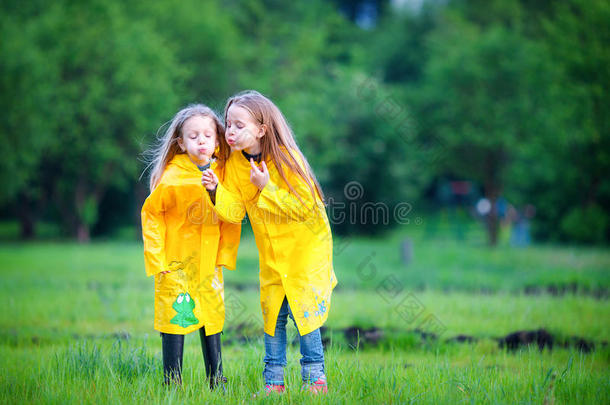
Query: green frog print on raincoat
{"points": [[184, 306]]}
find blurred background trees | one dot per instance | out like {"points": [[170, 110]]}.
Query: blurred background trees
{"points": [[400, 96]]}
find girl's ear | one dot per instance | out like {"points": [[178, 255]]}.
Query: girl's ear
{"points": [[181, 143], [262, 131]]}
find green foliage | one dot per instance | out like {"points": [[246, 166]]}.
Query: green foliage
{"points": [[511, 95], [486, 92], [586, 225], [25, 103], [108, 93], [98, 98], [577, 35], [204, 41]]}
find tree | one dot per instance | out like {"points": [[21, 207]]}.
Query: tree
{"points": [[26, 127], [577, 36], [205, 41], [349, 124], [566, 174], [111, 81], [485, 97]]}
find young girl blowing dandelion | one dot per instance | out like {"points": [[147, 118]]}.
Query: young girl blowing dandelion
{"points": [[283, 201], [185, 244]]}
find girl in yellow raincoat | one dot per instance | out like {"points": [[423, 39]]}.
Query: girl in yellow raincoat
{"points": [[185, 245], [283, 201]]}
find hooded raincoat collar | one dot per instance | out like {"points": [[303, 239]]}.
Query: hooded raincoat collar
{"points": [[182, 161]]}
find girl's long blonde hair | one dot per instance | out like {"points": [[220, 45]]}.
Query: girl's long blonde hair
{"points": [[167, 146], [278, 135]]}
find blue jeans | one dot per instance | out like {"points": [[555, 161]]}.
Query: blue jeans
{"points": [[312, 353]]}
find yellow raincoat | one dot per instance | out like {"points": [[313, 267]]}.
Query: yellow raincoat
{"points": [[294, 242], [182, 234]]}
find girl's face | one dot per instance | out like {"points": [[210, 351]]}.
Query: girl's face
{"points": [[243, 131], [198, 139]]}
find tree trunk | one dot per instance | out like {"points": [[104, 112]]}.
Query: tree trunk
{"points": [[80, 198], [27, 217], [495, 162], [493, 224], [27, 222], [82, 232], [492, 192], [86, 200]]}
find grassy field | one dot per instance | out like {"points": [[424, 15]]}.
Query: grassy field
{"points": [[76, 325]]}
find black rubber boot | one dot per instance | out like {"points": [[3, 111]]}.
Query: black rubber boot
{"points": [[212, 356], [173, 346]]}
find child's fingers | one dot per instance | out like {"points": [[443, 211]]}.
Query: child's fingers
{"points": [[264, 167], [256, 169], [210, 180]]}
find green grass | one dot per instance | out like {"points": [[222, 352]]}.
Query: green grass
{"points": [[76, 326], [98, 373], [447, 263]]}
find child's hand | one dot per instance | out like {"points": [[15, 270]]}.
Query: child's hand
{"points": [[209, 180], [259, 177], [174, 266]]}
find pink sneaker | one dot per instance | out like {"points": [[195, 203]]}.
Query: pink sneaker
{"points": [[316, 387], [270, 389]]}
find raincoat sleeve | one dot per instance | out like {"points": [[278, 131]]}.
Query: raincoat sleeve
{"points": [[229, 205], [279, 200], [153, 231], [228, 244]]}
